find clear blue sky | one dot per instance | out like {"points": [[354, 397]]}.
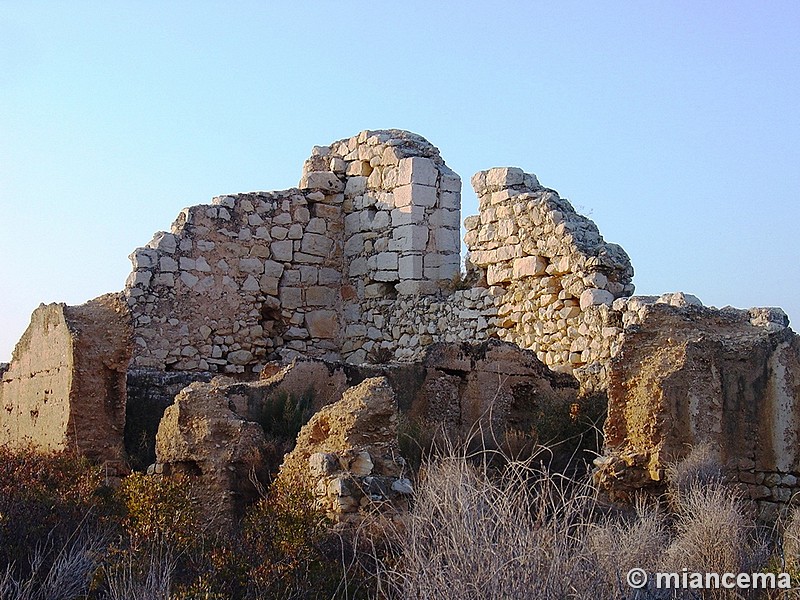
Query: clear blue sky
{"points": [[674, 125]]}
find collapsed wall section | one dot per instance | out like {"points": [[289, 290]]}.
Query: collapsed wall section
{"points": [[552, 273], [65, 386]]}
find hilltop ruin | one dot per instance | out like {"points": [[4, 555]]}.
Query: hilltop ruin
{"points": [[361, 263]]}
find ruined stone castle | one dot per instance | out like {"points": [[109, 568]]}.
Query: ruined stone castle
{"points": [[361, 264]]}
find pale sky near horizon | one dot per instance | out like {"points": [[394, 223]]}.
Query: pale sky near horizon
{"points": [[674, 125]]}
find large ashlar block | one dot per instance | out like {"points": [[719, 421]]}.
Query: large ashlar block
{"points": [[415, 194], [65, 386], [409, 238], [417, 170], [410, 266], [504, 176], [407, 215], [446, 241]]}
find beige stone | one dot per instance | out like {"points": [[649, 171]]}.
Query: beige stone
{"points": [[322, 324], [65, 386]]}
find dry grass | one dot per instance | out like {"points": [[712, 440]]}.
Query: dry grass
{"points": [[56, 573], [480, 527]]}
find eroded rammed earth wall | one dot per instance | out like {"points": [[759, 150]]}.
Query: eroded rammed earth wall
{"points": [[65, 387]]}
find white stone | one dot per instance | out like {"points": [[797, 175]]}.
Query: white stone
{"points": [[322, 180], [529, 266], [386, 261], [410, 267], [416, 194], [501, 177], [412, 238], [594, 296], [407, 215], [417, 170]]}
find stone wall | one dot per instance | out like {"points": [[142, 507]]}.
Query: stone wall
{"points": [[549, 268], [65, 386], [266, 275], [689, 375]]}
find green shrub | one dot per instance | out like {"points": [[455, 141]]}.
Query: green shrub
{"points": [[160, 510], [283, 415], [44, 497]]}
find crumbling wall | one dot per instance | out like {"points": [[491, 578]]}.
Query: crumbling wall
{"points": [[65, 386], [689, 375], [549, 266], [260, 276]]}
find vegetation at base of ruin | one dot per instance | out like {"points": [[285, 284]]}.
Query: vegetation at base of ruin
{"points": [[479, 527], [282, 416], [562, 436], [380, 355]]}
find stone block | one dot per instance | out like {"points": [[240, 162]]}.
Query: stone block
{"points": [[501, 177], [416, 194], [167, 264], [385, 276], [408, 215], [140, 278], [272, 268], [251, 265], [410, 238], [417, 170], [316, 244], [269, 285], [282, 250], [163, 242], [358, 266], [386, 261], [352, 223], [322, 180], [251, 284], [594, 296], [354, 245], [291, 297], [322, 324], [356, 186], [449, 181], [410, 267], [415, 287], [318, 295], [446, 240], [529, 266], [144, 258]]}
